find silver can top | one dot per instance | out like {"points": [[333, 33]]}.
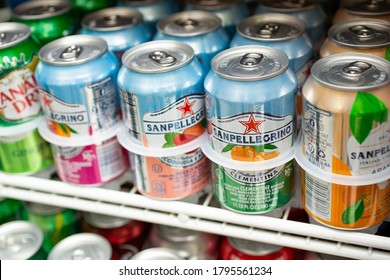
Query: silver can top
{"points": [[139, 2], [352, 71], [158, 56], [289, 5], [271, 27], [42, 209], [73, 50], [19, 240], [250, 63], [176, 234], [253, 248], [12, 33], [111, 19], [40, 9], [212, 5], [82, 246], [361, 33], [366, 7], [189, 24], [157, 254], [104, 221]]}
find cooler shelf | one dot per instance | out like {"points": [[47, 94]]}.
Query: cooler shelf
{"points": [[197, 217]]}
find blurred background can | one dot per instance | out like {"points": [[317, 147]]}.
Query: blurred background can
{"points": [[362, 9], [10, 210], [83, 7], [158, 253]]}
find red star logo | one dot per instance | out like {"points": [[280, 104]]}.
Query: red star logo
{"points": [[186, 108], [251, 125], [46, 101]]}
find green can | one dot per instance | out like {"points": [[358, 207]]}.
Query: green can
{"points": [[48, 19], [253, 192], [84, 7], [10, 210], [19, 98]]}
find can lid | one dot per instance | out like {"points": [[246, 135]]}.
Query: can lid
{"points": [[366, 7], [21, 128], [289, 5], [364, 33], [42, 209], [352, 71], [19, 240], [12, 33], [111, 19], [104, 221], [271, 27], [176, 234], [253, 248], [139, 2], [40, 9], [250, 63], [73, 50], [189, 24], [82, 246], [212, 4], [158, 56], [157, 254]]}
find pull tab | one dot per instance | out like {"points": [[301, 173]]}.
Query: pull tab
{"points": [[251, 59], [268, 29], [187, 23], [112, 19], [374, 4], [356, 68], [162, 58], [71, 53], [48, 9], [80, 255], [363, 32], [3, 38]]}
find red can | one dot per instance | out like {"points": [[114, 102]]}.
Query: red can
{"points": [[240, 249]]}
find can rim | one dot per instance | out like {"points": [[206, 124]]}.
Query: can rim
{"points": [[221, 5], [42, 209], [107, 223], [157, 253], [346, 5], [268, 4], [266, 250], [139, 2], [18, 10], [21, 128], [6, 26], [165, 232]]}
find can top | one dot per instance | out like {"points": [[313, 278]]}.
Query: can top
{"points": [[365, 33], [104, 221], [139, 2], [81, 246], [157, 254], [253, 248], [352, 71], [40, 9], [111, 19], [366, 7], [271, 27], [176, 234], [158, 56], [12, 33], [289, 5], [212, 4], [250, 63], [189, 24], [73, 50], [19, 240], [42, 209]]}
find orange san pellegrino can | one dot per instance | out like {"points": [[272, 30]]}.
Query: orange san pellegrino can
{"points": [[362, 9]]}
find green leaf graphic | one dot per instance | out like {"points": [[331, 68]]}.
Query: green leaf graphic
{"points": [[168, 145], [227, 148], [353, 212], [258, 149], [63, 128], [72, 130], [387, 54], [270, 147], [169, 137]]}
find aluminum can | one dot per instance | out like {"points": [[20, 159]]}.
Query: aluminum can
{"points": [[360, 36], [82, 246], [84, 7], [21, 240], [19, 98], [56, 223], [362, 9], [121, 27], [10, 210], [230, 12], [189, 244], [77, 76], [240, 249], [48, 19], [168, 114], [157, 254], [201, 30], [346, 120]]}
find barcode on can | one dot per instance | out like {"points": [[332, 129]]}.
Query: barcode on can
{"points": [[110, 159], [318, 197], [130, 112]]}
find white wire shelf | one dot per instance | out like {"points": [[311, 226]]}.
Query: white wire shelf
{"points": [[197, 217]]}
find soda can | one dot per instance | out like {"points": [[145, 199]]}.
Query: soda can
{"points": [[19, 98], [162, 115], [48, 19], [360, 36], [10, 210], [121, 27], [346, 121], [77, 76], [189, 244], [230, 12], [21, 240], [56, 223], [157, 254], [82, 246], [201, 30], [241, 249], [81, 7], [362, 9]]}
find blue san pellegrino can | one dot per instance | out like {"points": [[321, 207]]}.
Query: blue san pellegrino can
{"points": [[201, 30], [121, 27], [250, 103], [162, 94], [77, 77]]}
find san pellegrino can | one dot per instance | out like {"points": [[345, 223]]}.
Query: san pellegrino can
{"points": [[362, 9], [10, 210], [48, 19]]}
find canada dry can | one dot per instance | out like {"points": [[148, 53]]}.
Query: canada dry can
{"points": [[77, 75], [189, 244], [362, 9], [48, 19], [346, 114], [162, 94], [21, 240], [360, 36], [121, 27], [201, 30], [19, 97], [10, 210]]}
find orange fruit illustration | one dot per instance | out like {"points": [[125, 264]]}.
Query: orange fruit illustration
{"points": [[196, 130]]}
